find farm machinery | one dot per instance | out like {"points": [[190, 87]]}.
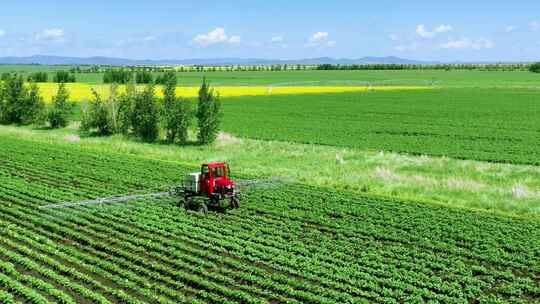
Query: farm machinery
{"points": [[211, 188]]}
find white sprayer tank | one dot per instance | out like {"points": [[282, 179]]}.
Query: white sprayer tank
{"points": [[191, 182]]}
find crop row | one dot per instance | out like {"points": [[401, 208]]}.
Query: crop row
{"points": [[481, 124], [289, 243]]}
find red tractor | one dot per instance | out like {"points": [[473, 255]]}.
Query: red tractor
{"points": [[212, 188]]}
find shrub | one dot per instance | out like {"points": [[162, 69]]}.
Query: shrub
{"points": [[165, 78], [5, 76], [144, 77], [97, 116], [535, 67], [38, 77], [117, 76], [63, 77], [2, 106]]}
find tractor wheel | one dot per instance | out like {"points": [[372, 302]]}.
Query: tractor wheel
{"points": [[203, 208], [187, 203], [235, 203]]}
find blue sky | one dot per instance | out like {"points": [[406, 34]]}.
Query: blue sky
{"points": [[430, 30]]}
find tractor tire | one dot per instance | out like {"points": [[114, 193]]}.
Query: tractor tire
{"points": [[235, 203], [203, 208], [187, 203]]}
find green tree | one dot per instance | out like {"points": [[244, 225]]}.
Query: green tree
{"points": [[182, 114], [34, 106], [535, 67], [144, 77], [169, 99], [208, 114], [176, 112], [125, 109], [38, 77], [2, 102], [96, 116], [59, 113], [112, 108], [14, 95], [145, 115], [63, 76]]}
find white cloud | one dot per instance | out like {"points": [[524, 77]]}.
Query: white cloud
{"points": [[443, 28], [216, 36], [534, 25], [394, 37], [510, 28], [277, 39], [424, 33], [318, 36], [2, 33], [149, 38], [235, 39], [53, 34], [467, 43], [320, 39]]}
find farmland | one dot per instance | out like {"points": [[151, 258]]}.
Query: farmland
{"points": [[298, 244], [462, 123], [399, 187], [455, 78], [82, 92]]}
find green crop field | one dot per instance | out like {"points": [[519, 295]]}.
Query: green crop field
{"points": [[270, 152], [427, 192], [441, 78], [288, 243], [413, 77], [501, 125]]}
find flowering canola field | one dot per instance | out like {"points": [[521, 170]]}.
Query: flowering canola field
{"points": [[83, 91]]}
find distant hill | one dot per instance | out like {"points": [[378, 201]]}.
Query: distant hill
{"points": [[61, 60]]}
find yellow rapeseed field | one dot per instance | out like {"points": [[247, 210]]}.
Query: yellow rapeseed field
{"points": [[83, 91]]}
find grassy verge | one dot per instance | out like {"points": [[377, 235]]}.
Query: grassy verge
{"points": [[500, 188]]}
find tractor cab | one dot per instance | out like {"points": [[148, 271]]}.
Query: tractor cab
{"points": [[212, 187], [215, 179]]}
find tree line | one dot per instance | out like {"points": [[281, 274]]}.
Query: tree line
{"points": [[303, 67], [22, 104], [124, 76], [535, 67], [60, 76], [144, 115], [134, 113], [447, 67]]}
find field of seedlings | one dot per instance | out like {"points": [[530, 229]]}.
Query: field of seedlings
{"points": [[288, 243], [481, 124]]}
